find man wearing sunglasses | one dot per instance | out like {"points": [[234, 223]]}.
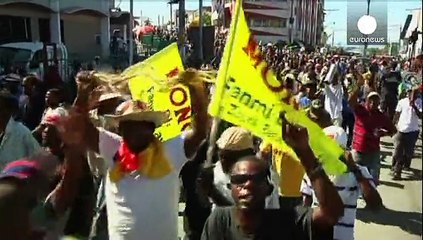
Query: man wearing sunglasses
{"points": [[233, 144], [250, 186]]}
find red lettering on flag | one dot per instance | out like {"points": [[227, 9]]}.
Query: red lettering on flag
{"points": [[174, 72]]}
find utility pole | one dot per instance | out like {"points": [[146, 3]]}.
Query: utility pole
{"points": [[200, 28], [333, 30], [131, 26], [365, 44], [181, 28], [291, 21], [333, 35], [171, 25]]}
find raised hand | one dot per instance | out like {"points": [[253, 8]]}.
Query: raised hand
{"points": [[72, 128], [295, 136]]}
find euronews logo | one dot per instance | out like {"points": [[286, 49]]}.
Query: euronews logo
{"points": [[367, 25], [362, 28]]}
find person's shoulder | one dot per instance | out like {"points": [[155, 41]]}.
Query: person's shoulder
{"points": [[222, 215], [403, 101], [19, 128], [9, 191], [176, 142], [359, 108]]}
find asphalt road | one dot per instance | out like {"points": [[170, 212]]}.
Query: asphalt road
{"points": [[402, 217]]}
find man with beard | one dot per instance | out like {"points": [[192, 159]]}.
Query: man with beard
{"points": [[250, 185]]}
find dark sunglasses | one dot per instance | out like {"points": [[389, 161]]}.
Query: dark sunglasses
{"points": [[239, 179]]}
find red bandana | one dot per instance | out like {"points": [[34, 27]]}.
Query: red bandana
{"points": [[128, 161]]}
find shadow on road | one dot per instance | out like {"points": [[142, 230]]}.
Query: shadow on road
{"points": [[387, 144], [384, 154], [391, 184], [410, 222]]}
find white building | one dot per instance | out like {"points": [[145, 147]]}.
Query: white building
{"points": [[82, 25], [413, 22], [269, 20]]}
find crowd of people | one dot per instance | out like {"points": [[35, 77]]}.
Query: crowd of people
{"points": [[90, 166]]}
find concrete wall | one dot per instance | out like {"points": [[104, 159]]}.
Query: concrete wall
{"points": [[80, 30], [80, 35]]}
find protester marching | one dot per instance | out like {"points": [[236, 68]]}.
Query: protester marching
{"points": [[262, 142]]}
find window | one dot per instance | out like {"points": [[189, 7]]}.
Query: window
{"points": [[44, 30], [265, 22], [15, 29]]}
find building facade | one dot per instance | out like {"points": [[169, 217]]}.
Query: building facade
{"points": [[279, 20], [412, 25], [82, 25]]}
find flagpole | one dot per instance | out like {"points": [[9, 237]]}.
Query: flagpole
{"points": [[223, 73], [131, 33], [200, 26]]}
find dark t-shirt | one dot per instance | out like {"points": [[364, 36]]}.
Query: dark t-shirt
{"points": [[389, 85], [287, 224]]}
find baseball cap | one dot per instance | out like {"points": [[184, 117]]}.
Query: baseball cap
{"points": [[235, 139], [371, 94], [338, 134], [21, 169]]}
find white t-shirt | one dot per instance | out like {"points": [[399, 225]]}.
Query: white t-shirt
{"points": [[349, 191], [333, 100], [139, 207], [408, 120]]}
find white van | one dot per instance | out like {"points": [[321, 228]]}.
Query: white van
{"points": [[34, 57]]}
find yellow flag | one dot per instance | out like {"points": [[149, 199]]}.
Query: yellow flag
{"points": [[146, 81], [249, 95]]}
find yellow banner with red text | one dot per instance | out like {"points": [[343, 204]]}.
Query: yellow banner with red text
{"points": [[146, 84]]}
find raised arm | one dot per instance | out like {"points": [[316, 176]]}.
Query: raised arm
{"points": [[200, 119], [416, 105], [63, 196], [353, 93], [330, 204], [77, 128], [365, 183]]}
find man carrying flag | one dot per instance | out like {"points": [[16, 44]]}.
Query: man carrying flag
{"points": [[142, 178]]}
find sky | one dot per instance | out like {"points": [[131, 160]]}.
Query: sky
{"points": [[335, 21]]}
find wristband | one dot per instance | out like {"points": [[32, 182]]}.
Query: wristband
{"points": [[316, 172]]}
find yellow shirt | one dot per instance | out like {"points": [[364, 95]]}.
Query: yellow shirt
{"points": [[290, 171]]}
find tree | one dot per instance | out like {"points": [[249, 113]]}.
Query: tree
{"points": [[207, 19]]}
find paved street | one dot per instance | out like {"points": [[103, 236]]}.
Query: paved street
{"points": [[402, 218]]}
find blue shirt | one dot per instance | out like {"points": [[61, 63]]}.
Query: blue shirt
{"points": [[305, 102], [16, 143]]}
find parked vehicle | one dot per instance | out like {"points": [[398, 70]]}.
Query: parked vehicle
{"points": [[34, 57]]}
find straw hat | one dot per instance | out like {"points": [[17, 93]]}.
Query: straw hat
{"points": [[235, 139], [137, 111], [109, 96], [12, 78]]}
